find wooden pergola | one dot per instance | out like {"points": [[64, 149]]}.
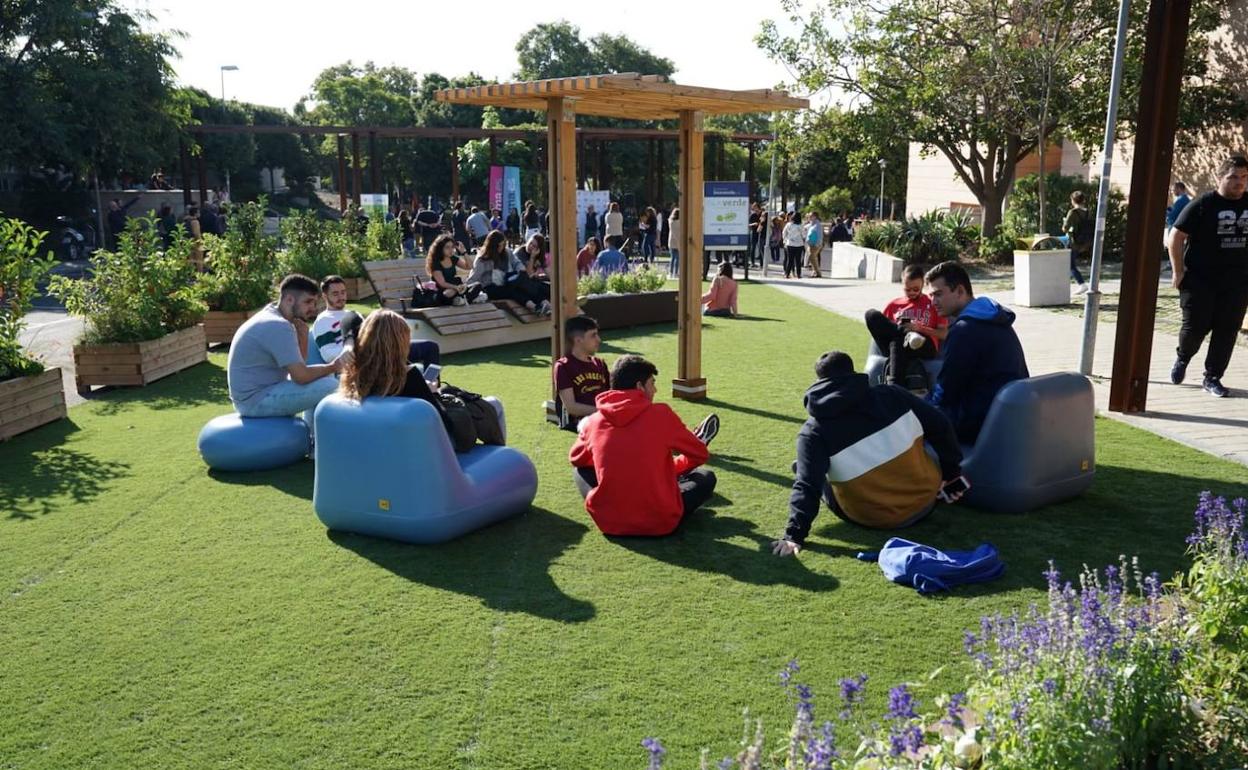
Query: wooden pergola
{"points": [[635, 97]]}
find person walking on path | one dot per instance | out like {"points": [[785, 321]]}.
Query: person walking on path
{"points": [[814, 243], [1080, 229], [794, 246], [1209, 257], [673, 243], [1181, 199]]}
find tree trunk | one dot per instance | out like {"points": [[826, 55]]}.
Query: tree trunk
{"points": [[990, 202]]}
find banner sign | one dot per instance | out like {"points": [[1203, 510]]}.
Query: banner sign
{"points": [[375, 206], [496, 189], [726, 216], [511, 191], [599, 199]]}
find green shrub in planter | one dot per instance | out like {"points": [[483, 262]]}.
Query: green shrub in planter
{"points": [[880, 236], [21, 269], [925, 239], [315, 247], [1024, 208], [139, 292], [594, 283], [242, 264], [383, 240]]}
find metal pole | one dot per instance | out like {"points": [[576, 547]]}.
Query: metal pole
{"points": [[880, 203], [1092, 300], [771, 192]]}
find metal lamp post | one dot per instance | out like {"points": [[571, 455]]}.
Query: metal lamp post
{"points": [[224, 69], [880, 200]]}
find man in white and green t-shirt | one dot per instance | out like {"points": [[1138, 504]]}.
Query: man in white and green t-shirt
{"points": [[335, 324]]}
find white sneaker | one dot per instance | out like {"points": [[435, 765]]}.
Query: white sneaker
{"points": [[1083, 289], [914, 340], [531, 306], [544, 308], [459, 302], [480, 299]]}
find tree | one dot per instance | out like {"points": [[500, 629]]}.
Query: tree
{"points": [[556, 50], [84, 88], [932, 70]]}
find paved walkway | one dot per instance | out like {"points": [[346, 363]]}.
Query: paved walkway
{"points": [[1184, 413]]}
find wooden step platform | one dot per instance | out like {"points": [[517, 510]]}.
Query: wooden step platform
{"points": [[522, 313], [394, 280], [465, 318]]}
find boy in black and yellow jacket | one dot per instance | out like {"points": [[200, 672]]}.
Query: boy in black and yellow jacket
{"points": [[868, 443]]}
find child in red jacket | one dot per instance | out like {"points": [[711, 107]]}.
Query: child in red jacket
{"points": [[623, 457]]}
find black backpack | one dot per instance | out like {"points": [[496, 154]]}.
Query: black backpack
{"points": [[1085, 229], [470, 418]]}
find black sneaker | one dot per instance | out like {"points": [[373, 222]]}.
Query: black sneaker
{"points": [[1178, 371], [1213, 386], [707, 429]]}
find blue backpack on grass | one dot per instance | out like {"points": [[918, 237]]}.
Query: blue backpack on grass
{"points": [[930, 570]]}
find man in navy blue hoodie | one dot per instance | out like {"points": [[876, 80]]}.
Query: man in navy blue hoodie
{"points": [[981, 353]]}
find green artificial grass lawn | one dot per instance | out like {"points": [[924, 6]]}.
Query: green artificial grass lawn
{"points": [[156, 616]]}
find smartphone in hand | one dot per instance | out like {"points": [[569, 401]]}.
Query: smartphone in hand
{"points": [[953, 488]]}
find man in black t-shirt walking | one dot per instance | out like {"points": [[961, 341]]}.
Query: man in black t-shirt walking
{"points": [[1209, 255]]}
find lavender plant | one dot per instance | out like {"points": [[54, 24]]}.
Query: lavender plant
{"points": [[1112, 672], [1215, 596]]}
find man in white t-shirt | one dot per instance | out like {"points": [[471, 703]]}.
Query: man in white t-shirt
{"points": [[336, 324]]}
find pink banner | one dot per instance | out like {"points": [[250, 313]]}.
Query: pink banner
{"points": [[496, 187]]}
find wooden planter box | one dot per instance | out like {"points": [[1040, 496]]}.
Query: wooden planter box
{"points": [[28, 402], [358, 288], [138, 363], [220, 325], [617, 311]]}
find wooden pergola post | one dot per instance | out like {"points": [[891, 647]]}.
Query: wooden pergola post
{"points": [[374, 168], [1164, 47], [342, 173], [689, 382], [184, 160], [202, 165], [357, 175], [454, 170], [561, 181]]}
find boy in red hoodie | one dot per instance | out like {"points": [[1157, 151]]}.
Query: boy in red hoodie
{"points": [[623, 457]]}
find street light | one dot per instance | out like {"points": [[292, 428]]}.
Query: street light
{"points": [[224, 69], [883, 165]]}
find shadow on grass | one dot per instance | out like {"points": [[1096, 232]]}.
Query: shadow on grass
{"points": [[43, 470], [701, 544], [295, 480], [507, 565], [201, 384], [734, 464], [1128, 512], [717, 403]]}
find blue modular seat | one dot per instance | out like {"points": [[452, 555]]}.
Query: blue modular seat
{"points": [[234, 443], [385, 467], [314, 353], [1037, 446], [876, 362]]}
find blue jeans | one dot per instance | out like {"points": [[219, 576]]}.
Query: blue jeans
{"points": [[647, 246], [290, 398], [1074, 268], [673, 265]]}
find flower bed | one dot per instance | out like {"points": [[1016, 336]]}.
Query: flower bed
{"points": [[1116, 671], [618, 300], [138, 363]]}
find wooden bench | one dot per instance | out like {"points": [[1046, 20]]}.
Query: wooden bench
{"points": [[522, 313], [394, 280]]}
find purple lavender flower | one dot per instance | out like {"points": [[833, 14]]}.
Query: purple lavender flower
{"points": [[901, 703], [786, 673], [656, 750], [1049, 685], [852, 693], [906, 739], [953, 713]]}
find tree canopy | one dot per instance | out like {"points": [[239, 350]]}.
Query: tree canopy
{"points": [[945, 74]]}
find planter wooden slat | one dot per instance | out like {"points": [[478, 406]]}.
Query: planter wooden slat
{"points": [[28, 402], [358, 288], [220, 325], [157, 358]]}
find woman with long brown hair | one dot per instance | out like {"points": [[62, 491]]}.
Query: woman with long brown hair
{"points": [[442, 265], [380, 366]]}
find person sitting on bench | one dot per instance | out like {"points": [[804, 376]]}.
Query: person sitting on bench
{"points": [[982, 352], [335, 325], [442, 263], [265, 371], [623, 457], [909, 329], [867, 442], [503, 276], [580, 375]]}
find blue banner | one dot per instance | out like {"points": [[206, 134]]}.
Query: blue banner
{"points": [[511, 190]]}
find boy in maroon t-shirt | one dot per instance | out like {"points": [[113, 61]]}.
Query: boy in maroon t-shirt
{"points": [[908, 329], [579, 376]]}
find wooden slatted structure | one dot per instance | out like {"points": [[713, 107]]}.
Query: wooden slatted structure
{"points": [[394, 280], [637, 97]]}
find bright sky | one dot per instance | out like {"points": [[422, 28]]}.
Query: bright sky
{"points": [[279, 46]]}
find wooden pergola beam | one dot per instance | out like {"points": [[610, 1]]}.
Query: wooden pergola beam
{"points": [[561, 181], [689, 382]]}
